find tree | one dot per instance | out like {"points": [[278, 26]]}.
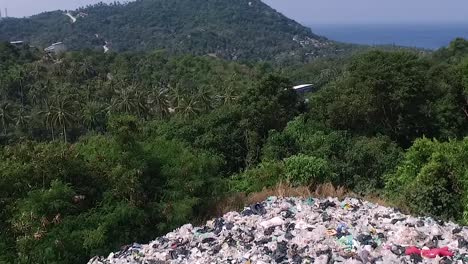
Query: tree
{"points": [[6, 115], [93, 115], [62, 114], [302, 170], [129, 101], [22, 118], [267, 106], [390, 93], [432, 179], [158, 101], [188, 106], [229, 93], [38, 212], [48, 118], [205, 98], [464, 94]]}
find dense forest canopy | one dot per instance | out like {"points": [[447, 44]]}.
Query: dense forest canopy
{"points": [[100, 150], [236, 30]]}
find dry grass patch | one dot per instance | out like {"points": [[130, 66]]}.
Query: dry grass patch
{"points": [[328, 190], [237, 201]]}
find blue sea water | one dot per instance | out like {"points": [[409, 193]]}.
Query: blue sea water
{"points": [[422, 36]]}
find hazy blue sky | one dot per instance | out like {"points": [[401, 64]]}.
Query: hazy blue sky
{"points": [[376, 11], [308, 11]]}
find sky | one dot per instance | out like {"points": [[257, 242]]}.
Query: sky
{"points": [[373, 11], [308, 11]]}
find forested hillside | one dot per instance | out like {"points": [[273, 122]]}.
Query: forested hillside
{"points": [[237, 30], [101, 150]]}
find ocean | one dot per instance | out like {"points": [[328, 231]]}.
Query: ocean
{"points": [[421, 36]]}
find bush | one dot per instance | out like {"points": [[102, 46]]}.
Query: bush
{"points": [[306, 170], [366, 161], [397, 94], [358, 162], [265, 175], [432, 179], [280, 146]]}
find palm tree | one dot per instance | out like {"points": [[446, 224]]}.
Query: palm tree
{"points": [[141, 102], [229, 93], [18, 77], [6, 115], [175, 95], [36, 69], [22, 118], [86, 69], [205, 98], [59, 69], [92, 115], [38, 92], [158, 101], [122, 101], [188, 106], [48, 121], [63, 114], [130, 101]]}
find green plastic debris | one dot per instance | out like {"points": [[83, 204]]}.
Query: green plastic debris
{"points": [[309, 201], [378, 241], [346, 242], [271, 199]]}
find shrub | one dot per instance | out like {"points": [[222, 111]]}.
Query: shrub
{"points": [[432, 179], [366, 161], [305, 170], [265, 175]]}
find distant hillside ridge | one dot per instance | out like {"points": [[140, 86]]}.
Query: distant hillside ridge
{"points": [[235, 30]]}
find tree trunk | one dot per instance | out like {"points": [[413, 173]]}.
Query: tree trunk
{"points": [[53, 134], [4, 126], [64, 132]]}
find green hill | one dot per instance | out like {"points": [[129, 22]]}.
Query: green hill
{"points": [[237, 30]]}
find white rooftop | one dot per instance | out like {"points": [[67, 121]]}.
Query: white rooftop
{"points": [[302, 86]]}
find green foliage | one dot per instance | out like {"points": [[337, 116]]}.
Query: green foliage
{"points": [[268, 106], [39, 212], [74, 238], [455, 52], [306, 170], [397, 94], [354, 162], [237, 30], [432, 179], [101, 150], [237, 132], [49, 99], [464, 94], [217, 132], [188, 180], [64, 203], [319, 73], [264, 175], [366, 162]]}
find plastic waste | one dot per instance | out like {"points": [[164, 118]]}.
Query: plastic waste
{"points": [[346, 242], [299, 231], [429, 253], [309, 201], [276, 221]]}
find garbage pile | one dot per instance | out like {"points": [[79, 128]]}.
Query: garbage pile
{"points": [[294, 230]]}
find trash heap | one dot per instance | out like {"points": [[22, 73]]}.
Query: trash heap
{"points": [[294, 230]]}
